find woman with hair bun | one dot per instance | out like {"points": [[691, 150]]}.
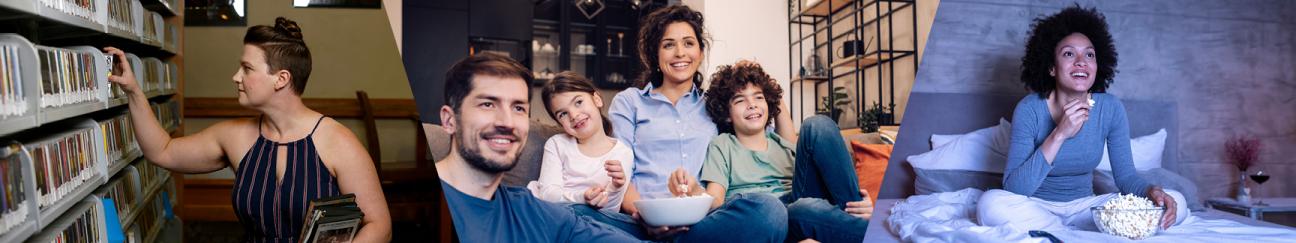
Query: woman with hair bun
{"points": [[281, 159]]}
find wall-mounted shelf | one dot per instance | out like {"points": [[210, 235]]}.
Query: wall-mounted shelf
{"points": [[819, 27], [820, 7]]}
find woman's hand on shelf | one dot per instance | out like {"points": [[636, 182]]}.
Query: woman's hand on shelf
{"points": [[122, 74]]}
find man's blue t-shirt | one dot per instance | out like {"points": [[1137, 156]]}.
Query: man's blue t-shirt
{"points": [[515, 216]]}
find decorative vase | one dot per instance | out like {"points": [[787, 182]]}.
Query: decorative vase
{"points": [[1244, 193]]}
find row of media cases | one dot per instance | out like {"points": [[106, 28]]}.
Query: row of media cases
{"points": [[138, 20], [70, 169], [85, 181]]}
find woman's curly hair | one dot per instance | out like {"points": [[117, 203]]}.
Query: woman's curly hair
{"points": [[651, 30], [1046, 32], [728, 81]]}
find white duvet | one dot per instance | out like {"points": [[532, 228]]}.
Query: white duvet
{"points": [[951, 217]]}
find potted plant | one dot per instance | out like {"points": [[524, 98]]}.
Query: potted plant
{"points": [[885, 116], [872, 118], [1242, 152], [839, 99]]}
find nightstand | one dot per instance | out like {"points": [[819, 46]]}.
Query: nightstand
{"points": [[1276, 205]]}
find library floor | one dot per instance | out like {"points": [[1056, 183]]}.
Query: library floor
{"points": [[212, 232], [222, 232]]}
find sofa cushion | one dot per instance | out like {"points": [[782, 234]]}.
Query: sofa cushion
{"points": [[870, 165]]}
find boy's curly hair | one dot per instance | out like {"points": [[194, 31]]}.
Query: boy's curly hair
{"points": [[731, 79]]}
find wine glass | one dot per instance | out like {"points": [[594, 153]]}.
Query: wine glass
{"points": [[1260, 178]]}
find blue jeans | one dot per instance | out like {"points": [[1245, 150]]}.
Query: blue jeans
{"points": [[743, 218], [823, 181]]}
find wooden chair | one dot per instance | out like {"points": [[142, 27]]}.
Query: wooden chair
{"points": [[413, 193]]}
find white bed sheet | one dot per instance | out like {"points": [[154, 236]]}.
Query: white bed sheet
{"points": [[950, 217]]}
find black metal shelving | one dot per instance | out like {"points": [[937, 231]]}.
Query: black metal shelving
{"points": [[820, 17]]}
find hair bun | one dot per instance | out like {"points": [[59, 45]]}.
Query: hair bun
{"points": [[288, 27]]}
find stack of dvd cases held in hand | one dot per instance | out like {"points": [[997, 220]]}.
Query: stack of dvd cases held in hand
{"points": [[85, 9], [13, 102], [63, 164], [332, 219], [13, 204], [67, 77]]}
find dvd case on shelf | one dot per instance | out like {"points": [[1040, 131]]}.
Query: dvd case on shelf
{"points": [[68, 76], [84, 223], [84, 9], [62, 164], [13, 101], [121, 16], [118, 138], [14, 209]]}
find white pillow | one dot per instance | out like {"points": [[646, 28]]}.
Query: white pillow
{"points": [[1146, 151], [981, 150]]}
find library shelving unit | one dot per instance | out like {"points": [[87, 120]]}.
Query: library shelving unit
{"points": [[70, 168], [819, 28]]}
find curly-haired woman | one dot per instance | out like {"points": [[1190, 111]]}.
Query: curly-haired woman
{"points": [[666, 125], [1061, 128]]}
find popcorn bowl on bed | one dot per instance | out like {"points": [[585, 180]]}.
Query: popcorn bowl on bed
{"points": [[1134, 224], [674, 211]]}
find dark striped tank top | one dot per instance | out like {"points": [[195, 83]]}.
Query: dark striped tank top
{"points": [[273, 211]]}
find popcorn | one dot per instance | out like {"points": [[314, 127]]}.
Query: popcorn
{"points": [[1128, 216], [1091, 102]]}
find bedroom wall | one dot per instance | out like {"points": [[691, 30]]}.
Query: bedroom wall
{"points": [[1229, 65]]}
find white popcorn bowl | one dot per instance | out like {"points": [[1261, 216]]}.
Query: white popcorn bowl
{"points": [[1103, 216], [674, 211]]}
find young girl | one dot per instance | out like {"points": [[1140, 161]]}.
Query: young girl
{"points": [[584, 165]]}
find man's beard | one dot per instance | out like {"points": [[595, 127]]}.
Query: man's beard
{"points": [[476, 160]]}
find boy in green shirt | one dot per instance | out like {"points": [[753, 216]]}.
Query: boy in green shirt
{"points": [[816, 181]]}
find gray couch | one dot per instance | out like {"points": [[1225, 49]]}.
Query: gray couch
{"points": [[528, 165]]}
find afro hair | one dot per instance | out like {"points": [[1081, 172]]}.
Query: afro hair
{"points": [[1047, 32]]}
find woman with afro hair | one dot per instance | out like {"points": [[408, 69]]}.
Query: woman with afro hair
{"points": [[1060, 131]]}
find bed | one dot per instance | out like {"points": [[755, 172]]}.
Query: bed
{"points": [[964, 113]]}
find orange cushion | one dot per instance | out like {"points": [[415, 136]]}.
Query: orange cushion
{"points": [[870, 165]]}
